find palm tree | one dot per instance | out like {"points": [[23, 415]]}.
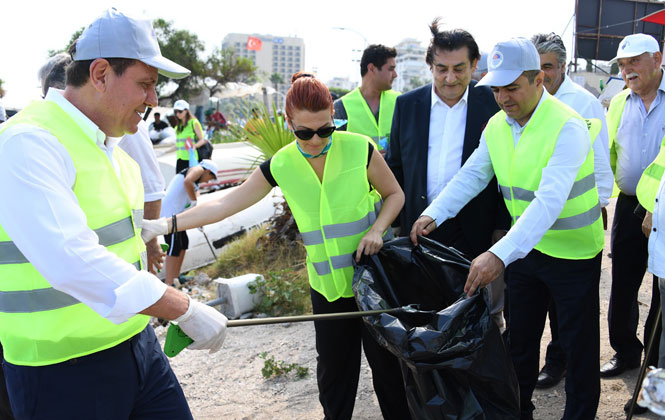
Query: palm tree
{"points": [[276, 79]]}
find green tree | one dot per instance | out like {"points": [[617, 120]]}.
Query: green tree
{"points": [[589, 66], [223, 67], [73, 38], [2, 91], [338, 91], [184, 48], [276, 79]]}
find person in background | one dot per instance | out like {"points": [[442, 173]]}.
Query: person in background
{"points": [[159, 129], [349, 172], [181, 194], [369, 108], [635, 125], [435, 129], [481, 67], [188, 128], [553, 64], [74, 318]]}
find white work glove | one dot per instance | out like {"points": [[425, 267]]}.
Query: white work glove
{"points": [[153, 228], [203, 324], [190, 205]]}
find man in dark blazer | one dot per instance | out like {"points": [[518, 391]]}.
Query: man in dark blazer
{"points": [[434, 131]]}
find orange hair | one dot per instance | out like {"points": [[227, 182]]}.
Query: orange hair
{"points": [[308, 93]]}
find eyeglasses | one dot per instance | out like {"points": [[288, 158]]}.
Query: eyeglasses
{"points": [[323, 132]]}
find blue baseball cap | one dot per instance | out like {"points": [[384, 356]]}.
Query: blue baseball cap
{"points": [[508, 60], [115, 35]]}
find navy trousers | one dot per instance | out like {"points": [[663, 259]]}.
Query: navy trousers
{"points": [[629, 263], [573, 286], [338, 364], [132, 380]]}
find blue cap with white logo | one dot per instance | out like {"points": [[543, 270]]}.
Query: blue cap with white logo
{"points": [[115, 35], [508, 60]]}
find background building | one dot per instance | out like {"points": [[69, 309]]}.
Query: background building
{"points": [[412, 70], [271, 54], [342, 83]]}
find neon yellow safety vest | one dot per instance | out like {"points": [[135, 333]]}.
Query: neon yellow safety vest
{"points": [[578, 231], [362, 121], [187, 132], [647, 188], [40, 325], [332, 215]]}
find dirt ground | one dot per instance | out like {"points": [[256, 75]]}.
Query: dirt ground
{"points": [[229, 385]]}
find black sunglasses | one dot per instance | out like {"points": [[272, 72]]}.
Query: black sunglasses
{"points": [[323, 132]]}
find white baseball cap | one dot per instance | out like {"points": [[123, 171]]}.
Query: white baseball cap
{"points": [[115, 35], [634, 45], [180, 105], [209, 165], [482, 62], [508, 60]]}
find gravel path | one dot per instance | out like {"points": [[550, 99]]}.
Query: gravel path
{"points": [[229, 385]]}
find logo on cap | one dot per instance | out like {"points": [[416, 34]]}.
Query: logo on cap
{"points": [[625, 44], [497, 59]]}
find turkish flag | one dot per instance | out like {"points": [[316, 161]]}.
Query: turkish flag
{"points": [[254, 44]]}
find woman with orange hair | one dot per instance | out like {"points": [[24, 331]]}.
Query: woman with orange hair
{"points": [[343, 197]]}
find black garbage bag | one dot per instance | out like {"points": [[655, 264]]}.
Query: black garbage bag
{"points": [[454, 362]]}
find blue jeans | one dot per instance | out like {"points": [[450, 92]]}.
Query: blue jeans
{"points": [[132, 380]]}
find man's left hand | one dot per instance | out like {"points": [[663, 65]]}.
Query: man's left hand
{"points": [[155, 256], [485, 268]]}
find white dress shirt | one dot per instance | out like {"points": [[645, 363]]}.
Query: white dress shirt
{"points": [[447, 126], [41, 215], [583, 101], [657, 236], [638, 138], [139, 147], [557, 179]]}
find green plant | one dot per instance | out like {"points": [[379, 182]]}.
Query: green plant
{"points": [[282, 292], [272, 367], [264, 133]]}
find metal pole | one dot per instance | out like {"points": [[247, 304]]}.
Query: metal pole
{"points": [[208, 241], [305, 318], [643, 368]]}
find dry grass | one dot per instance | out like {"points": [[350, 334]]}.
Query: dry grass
{"points": [[286, 286]]}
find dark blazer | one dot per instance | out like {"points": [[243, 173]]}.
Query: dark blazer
{"points": [[471, 230]]}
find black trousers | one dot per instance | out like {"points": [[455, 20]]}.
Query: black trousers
{"points": [[629, 263], [573, 286], [555, 357], [5, 407], [338, 364], [130, 381]]}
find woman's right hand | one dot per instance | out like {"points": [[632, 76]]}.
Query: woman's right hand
{"points": [[153, 228]]}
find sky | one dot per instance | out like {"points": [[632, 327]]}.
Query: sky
{"points": [[30, 29]]}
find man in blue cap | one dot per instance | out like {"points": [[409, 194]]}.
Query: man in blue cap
{"points": [[540, 151], [76, 299]]}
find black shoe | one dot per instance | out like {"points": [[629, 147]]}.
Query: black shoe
{"points": [[638, 409], [616, 366], [548, 377]]}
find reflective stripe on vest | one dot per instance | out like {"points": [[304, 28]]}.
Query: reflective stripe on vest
{"points": [[28, 301], [332, 215], [577, 233], [108, 235], [40, 325], [647, 187], [361, 120]]}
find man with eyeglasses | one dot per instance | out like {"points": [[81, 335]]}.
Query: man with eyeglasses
{"points": [[369, 108], [636, 125]]}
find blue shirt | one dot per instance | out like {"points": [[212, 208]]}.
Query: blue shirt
{"points": [[638, 138]]}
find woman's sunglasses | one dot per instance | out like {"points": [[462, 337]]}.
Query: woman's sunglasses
{"points": [[323, 132]]}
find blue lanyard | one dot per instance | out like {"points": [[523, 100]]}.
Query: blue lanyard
{"points": [[323, 152]]}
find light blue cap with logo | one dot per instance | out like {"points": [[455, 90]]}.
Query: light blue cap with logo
{"points": [[508, 60], [116, 35]]}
